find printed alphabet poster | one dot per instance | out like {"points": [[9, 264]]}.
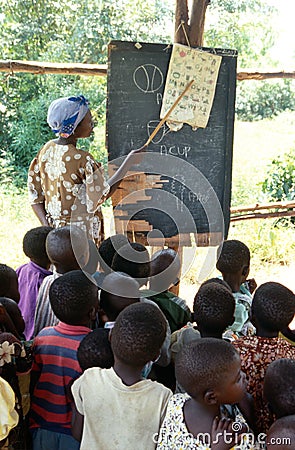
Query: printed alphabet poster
{"points": [[188, 64]]}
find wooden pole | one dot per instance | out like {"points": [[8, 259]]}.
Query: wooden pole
{"points": [[258, 207], [258, 215], [43, 67]]}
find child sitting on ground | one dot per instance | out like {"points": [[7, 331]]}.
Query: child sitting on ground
{"points": [[31, 274], [234, 265], [209, 369], [119, 395], [74, 300], [273, 308], [8, 283], [67, 248], [95, 350]]}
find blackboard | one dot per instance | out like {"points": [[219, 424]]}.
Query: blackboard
{"points": [[136, 81]]}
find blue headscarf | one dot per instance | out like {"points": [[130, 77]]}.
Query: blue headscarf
{"points": [[65, 114]]}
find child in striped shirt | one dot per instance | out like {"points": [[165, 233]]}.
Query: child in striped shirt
{"points": [[74, 300]]}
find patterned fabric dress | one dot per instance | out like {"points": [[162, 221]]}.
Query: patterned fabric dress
{"points": [[174, 434], [71, 185], [256, 354]]}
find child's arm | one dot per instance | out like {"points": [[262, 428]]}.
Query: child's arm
{"points": [[77, 423]]}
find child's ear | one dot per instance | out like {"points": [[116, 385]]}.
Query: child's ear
{"points": [[210, 397]]}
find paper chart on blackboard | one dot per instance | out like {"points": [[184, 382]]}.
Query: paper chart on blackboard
{"points": [[188, 64]]}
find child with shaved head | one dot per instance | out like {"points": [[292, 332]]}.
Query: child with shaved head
{"points": [[273, 309], [234, 265], [68, 249], [209, 370], [119, 397]]}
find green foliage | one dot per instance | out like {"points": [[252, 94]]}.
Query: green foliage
{"points": [[243, 25], [268, 244], [256, 101], [279, 184], [63, 31]]}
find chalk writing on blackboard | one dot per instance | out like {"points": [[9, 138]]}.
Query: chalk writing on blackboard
{"points": [[148, 78], [152, 124], [191, 64]]}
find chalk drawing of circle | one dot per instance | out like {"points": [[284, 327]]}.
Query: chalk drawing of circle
{"points": [[148, 78]]}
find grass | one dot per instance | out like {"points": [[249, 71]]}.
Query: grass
{"points": [[255, 145]]}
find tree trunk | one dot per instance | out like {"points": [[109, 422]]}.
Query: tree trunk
{"points": [[190, 31], [181, 20], [197, 22]]}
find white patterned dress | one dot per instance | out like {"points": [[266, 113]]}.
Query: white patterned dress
{"points": [[174, 435], [71, 185]]}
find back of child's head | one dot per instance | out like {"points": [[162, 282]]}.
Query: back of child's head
{"points": [[134, 260], [281, 435], [95, 350], [67, 248], [234, 256], [14, 313], [119, 290], [204, 365], [273, 306], [217, 280], [279, 387], [109, 248], [72, 297], [164, 269], [138, 334], [8, 283], [214, 307], [34, 245]]}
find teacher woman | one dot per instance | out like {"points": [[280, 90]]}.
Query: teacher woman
{"points": [[66, 185]]}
